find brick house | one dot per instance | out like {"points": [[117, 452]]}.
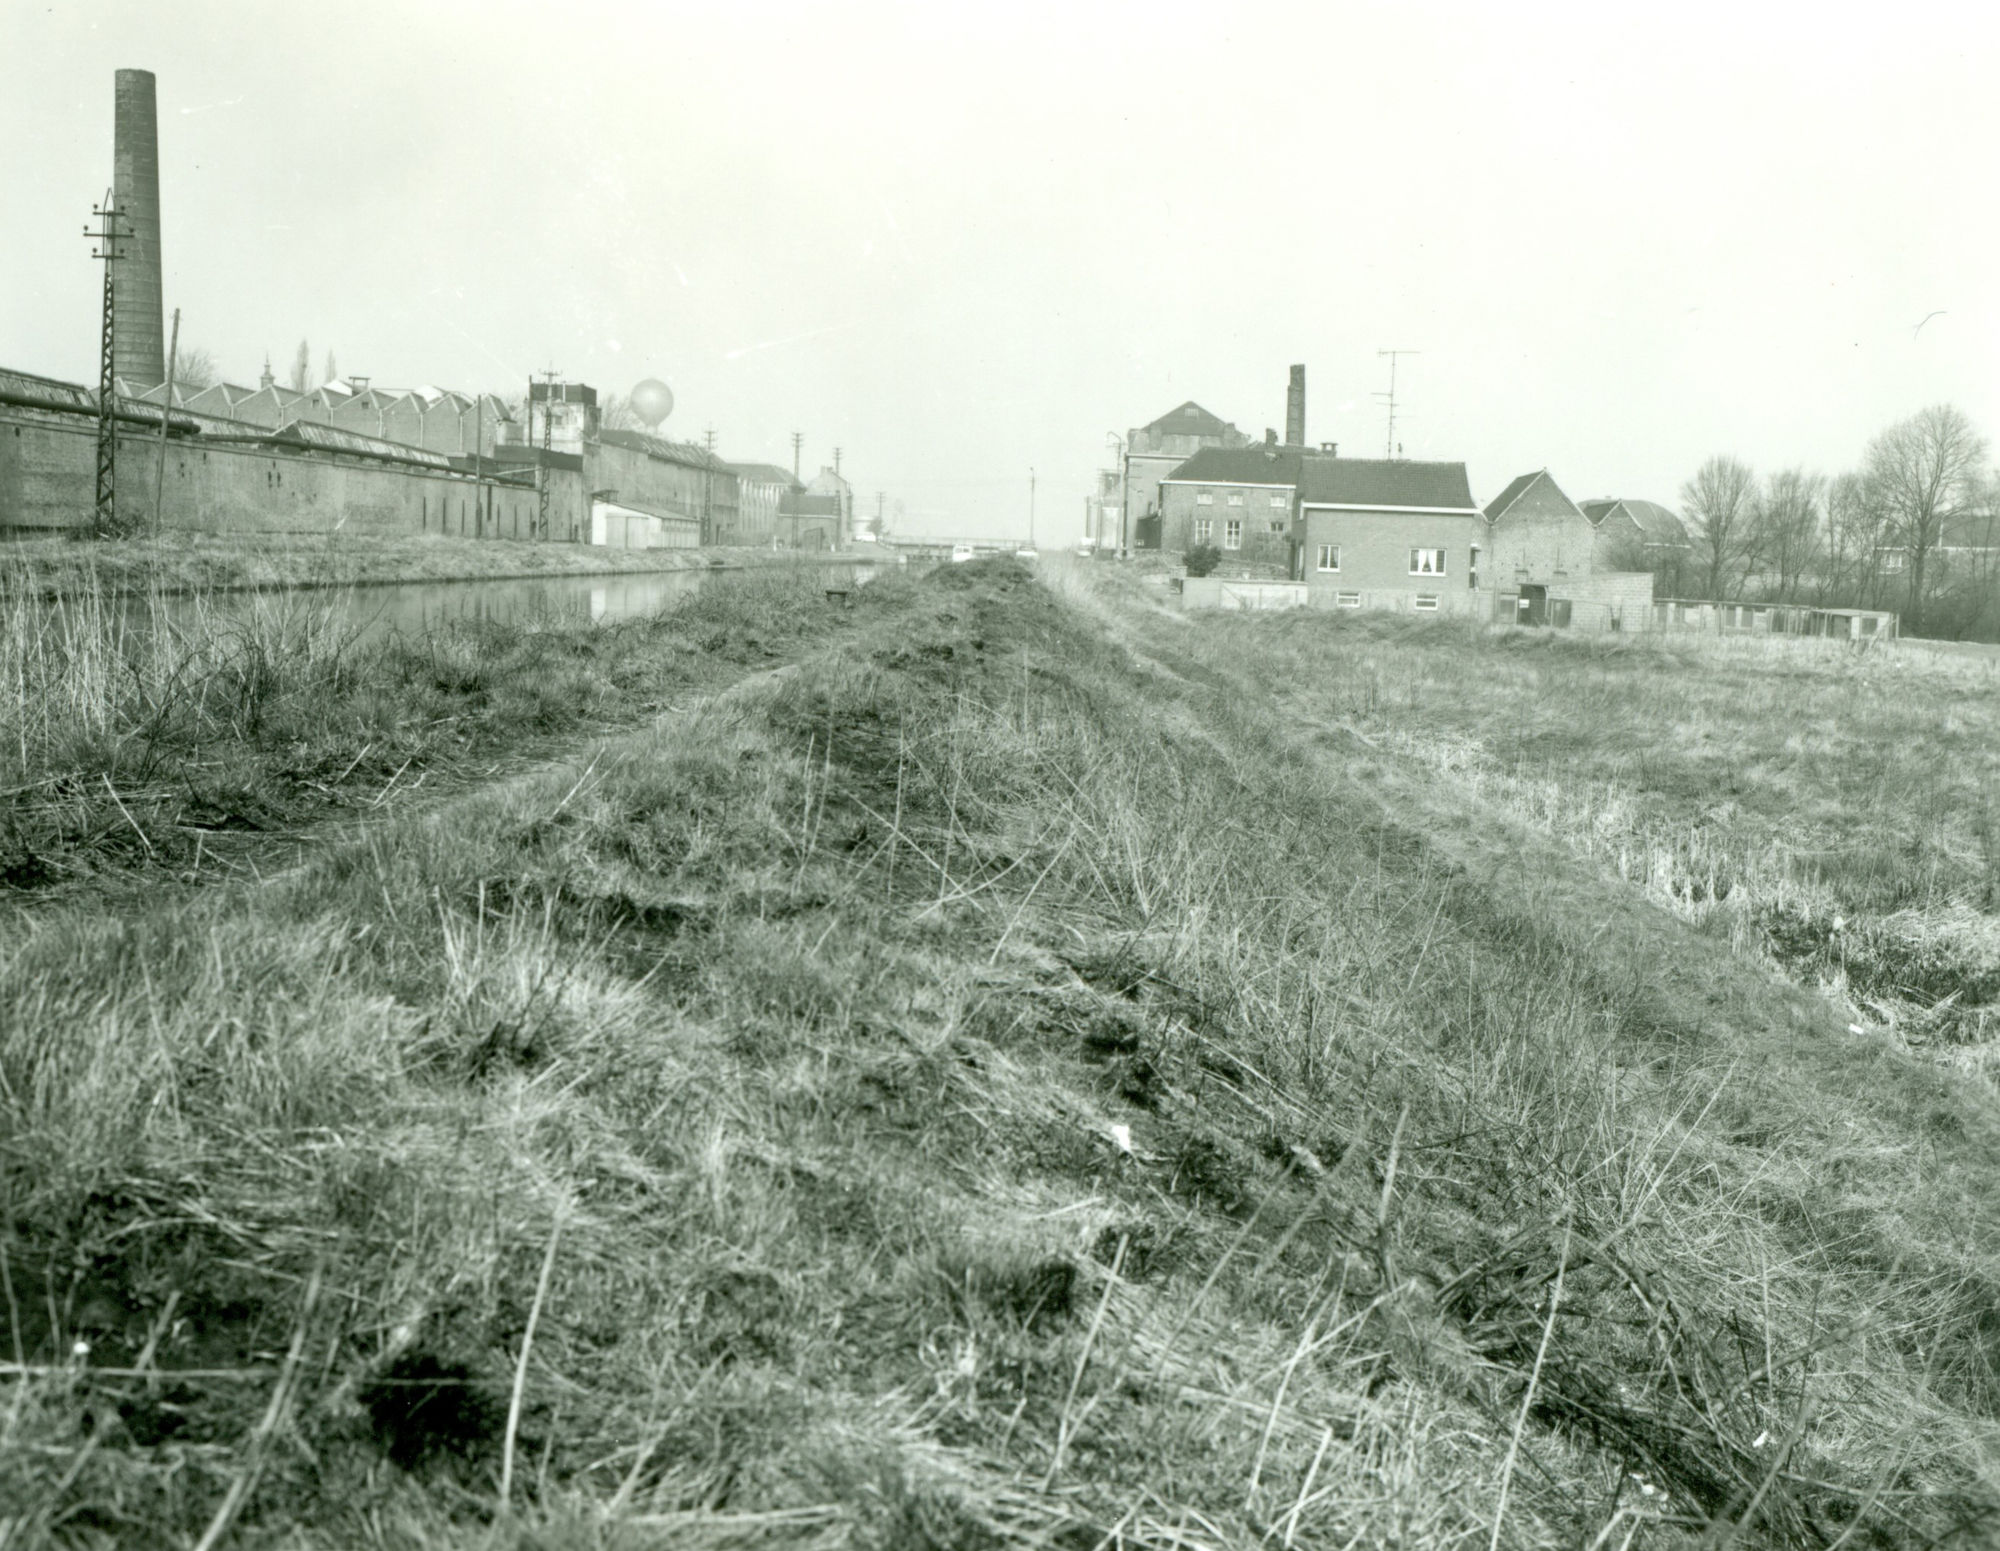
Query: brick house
{"points": [[1388, 533], [1542, 563], [1154, 451], [1239, 499]]}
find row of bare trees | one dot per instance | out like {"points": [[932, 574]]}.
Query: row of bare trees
{"points": [[1915, 528]]}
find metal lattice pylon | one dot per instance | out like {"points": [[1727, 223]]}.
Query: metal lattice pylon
{"points": [[106, 510]]}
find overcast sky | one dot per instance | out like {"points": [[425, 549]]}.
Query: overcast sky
{"points": [[961, 242]]}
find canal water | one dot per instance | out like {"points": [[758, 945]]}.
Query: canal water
{"points": [[412, 608]]}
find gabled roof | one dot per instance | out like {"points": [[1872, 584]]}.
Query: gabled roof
{"points": [[1189, 419], [687, 453], [1385, 483], [1520, 486], [764, 474], [1260, 465], [313, 433], [1654, 522]]}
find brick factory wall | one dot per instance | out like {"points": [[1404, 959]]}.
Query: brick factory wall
{"points": [[48, 480], [1182, 512], [664, 488]]}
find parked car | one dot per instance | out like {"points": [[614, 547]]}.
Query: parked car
{"points": [[1027, 552], [960, 553]]}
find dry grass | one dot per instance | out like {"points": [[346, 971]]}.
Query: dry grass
{"points": [[996, 1086], [172, 740]]}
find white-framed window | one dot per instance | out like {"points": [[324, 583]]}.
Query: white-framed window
{"points": [[1232, 533], [1204, 528], [1204, 498], [1279, 525], [1347, 600], [1279, 501], [1427, 601], [1236, 498], [1426, 562], [1329, 557]]}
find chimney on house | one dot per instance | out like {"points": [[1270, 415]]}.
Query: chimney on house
{"points": [[138, 331], [1295, 409]]}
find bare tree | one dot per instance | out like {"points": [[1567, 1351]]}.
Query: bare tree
{"points": [[332, 371], [302, 369], [1789, 534], [194, 369], [1848, 558], [615, 413], [1720, 505], [1924, 472]]}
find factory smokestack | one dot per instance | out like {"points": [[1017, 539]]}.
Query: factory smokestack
{"points": [[138, 338], [1295, 409]]}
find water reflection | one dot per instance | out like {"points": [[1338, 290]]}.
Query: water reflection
{"points": [[412, 608]]}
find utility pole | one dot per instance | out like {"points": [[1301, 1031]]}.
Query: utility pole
{"points": [[110, 236], [1390, 450], [166, 409], [1031, 508], [798, 441], [548, 447], [478, 478], [880, 497]]}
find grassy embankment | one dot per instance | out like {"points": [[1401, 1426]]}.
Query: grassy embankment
{"points": [[184, 742], [210, 562], [983, 1086]]}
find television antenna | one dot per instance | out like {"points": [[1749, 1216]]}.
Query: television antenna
{"points": [[1391, 450]]}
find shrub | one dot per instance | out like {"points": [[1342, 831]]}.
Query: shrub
{"points": [[1202, 559]]}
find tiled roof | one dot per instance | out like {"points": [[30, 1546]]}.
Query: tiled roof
{"points": [[764, 473], [1498, 506], [1386, 482], [328, 438], [668, 452], [1189, 419], [1510, 495], [1654, 521], [1260, 465]]}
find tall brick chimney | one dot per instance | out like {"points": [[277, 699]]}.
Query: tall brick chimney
{"points": [[1295, 409], [138, 339]]}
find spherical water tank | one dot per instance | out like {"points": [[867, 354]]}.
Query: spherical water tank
{"points": [[652, 401]]}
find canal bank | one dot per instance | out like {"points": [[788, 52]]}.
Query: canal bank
{"points": [[51, 567]]}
